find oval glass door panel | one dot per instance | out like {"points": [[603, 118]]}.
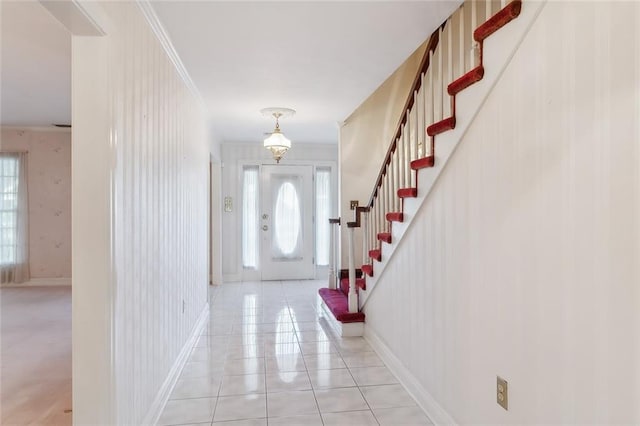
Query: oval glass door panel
{"points": [[287, 222], [286, 247]]}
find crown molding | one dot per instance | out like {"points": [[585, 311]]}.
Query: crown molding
{"points": [[162, 36], [74, 16]]}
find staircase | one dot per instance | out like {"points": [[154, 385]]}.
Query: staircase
{"points": [[455, 49]]}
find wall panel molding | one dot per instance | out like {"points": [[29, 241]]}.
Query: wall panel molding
{"points": [[152, 148], [522, 261]]}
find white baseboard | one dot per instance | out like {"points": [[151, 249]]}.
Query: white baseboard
{"points": [[42, 282], [155, 411], [425, 400], [232, 278]]}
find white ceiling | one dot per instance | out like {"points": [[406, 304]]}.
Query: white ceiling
{"points": [[36, 66], [321, 58]]}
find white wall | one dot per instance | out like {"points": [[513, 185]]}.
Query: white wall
{"points": [[233, 156], [524, 261], [140, 193]]}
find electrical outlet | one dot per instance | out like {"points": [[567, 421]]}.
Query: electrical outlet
{"points": [[502, 393], [228, 204], [354, 204]]}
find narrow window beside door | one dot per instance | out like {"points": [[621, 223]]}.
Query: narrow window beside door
{"points": [[250, 217], [323, 210]]}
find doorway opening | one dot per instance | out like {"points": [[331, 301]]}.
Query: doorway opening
{"points": [[285, 213]]}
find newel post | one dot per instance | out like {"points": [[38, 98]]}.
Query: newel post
{"points": [[353, 295], [333, 224]]}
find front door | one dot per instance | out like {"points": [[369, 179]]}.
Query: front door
{"points": [[286, 222]]}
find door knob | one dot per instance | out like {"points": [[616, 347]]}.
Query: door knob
{"points": [[265, 216], [265, 227]]}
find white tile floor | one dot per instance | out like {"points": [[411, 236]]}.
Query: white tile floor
{"points": [[267, 357]]}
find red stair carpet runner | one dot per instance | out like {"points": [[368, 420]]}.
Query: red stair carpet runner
{"points": [[337, 300]]}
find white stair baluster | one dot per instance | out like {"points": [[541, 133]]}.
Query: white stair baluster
{"points": [[440, 80], [475, 47], [461, 40], [487, 10], [416, 151], [406, 156], [365, 242], [449, 74]]}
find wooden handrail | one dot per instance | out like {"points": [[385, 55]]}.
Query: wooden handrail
{"points": [[356, 222], [417, 82]]}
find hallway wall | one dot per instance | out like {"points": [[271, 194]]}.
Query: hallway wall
{"points": [[141, 157], [49, 182], [523, 261]]}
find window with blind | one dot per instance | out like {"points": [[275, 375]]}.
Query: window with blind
{"points": [[9, 173]]}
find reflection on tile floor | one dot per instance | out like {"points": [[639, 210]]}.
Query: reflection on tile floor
{"points": [[267, 357]]}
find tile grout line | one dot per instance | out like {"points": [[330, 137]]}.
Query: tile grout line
{"points": [[305, 306], [306, 368], [219, 384]]}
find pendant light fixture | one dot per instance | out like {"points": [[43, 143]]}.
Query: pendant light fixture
{"points": [[277, 142]]}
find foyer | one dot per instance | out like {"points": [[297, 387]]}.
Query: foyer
{"points": [[475, 223], [268, 356]]}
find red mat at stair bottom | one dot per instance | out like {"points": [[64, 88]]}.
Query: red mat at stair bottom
{"points": [[338, 304]]}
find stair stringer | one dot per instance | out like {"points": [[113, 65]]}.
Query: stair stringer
{"points": [[498, 50]]}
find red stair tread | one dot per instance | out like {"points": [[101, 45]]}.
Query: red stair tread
{"points": [[385, 236], [497, 21], [375, 254], [466, 80], [441, 126], [395, 217], [338, 304], [367, 269], [422, 163], [408, 192]]}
